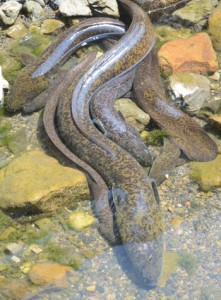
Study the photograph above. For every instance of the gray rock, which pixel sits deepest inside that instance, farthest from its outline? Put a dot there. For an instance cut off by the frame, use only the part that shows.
(132, 113)
(34, 9)
(196, 11)
(9, 12)
(193, 88)
(70, 8)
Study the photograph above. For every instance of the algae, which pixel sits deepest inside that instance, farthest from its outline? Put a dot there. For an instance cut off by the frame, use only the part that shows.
(63, 255)
(188, 262)
(155, 137)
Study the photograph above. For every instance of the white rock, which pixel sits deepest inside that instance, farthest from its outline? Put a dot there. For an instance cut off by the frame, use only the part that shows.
(9, 12)
(15, 259)
(193, 88)
(70, 8)
(13, 248)
(3, 85)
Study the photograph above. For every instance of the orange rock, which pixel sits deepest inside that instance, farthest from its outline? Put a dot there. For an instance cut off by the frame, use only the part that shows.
(194, 54)
(43, 273)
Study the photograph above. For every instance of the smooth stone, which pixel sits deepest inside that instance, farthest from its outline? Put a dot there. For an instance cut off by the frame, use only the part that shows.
(207, 174)
(75, 8)
(214, 28)
(132, 113)
(17, 31)
(169, 267)
(196, 11)
(109, 7)
(9, 12)
(50, 25)
(35, 179)
(49, 273)
(34, 9)
(193, 88)
(194, 54)
(80, 220)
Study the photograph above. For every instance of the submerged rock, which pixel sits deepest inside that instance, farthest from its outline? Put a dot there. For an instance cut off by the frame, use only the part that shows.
(207, 174)
(37, 181)
(132, 113)
(191, 88)
(80, 220)
(49, 273)
(194, 54)
(70, 8)
(50, 25)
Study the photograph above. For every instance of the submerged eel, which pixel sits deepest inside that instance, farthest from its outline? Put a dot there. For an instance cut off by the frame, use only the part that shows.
(40, 74)
(138, 214)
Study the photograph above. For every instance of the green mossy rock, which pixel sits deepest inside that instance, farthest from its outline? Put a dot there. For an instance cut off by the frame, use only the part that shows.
(207, 174)
(39, 181)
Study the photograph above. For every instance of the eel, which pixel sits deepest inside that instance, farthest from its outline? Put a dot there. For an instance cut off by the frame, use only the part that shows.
(40, 74)
(183, 130)
(98, 188)
(138, 214)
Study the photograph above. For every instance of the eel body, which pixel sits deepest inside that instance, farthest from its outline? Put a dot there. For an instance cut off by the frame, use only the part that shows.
(40, 74)
(138, 214)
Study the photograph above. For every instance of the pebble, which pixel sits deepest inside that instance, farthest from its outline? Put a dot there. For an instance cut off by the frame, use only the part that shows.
(15, 259)
(91, 288)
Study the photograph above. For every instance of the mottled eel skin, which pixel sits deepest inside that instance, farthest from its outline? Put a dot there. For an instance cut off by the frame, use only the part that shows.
(40, 74)
(184, 131)
(138, 214)
(98, 188)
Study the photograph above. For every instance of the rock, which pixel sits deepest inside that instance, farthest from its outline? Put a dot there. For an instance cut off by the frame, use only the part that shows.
(215, 76)
(34, 10)
(9, 12)
(80, 220)
(194, 54)
(108, 7)
(51, 25)
(35, 248)
(15, 259)
(17, 31)
(75, 8)
(49, 273)
(13, 248)
(91, 288)
(37, 180)
(132, 113)
(210, 292)
(214, 28)
(196, 11)
(207, 174)
(193, 88)
(3, 85)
